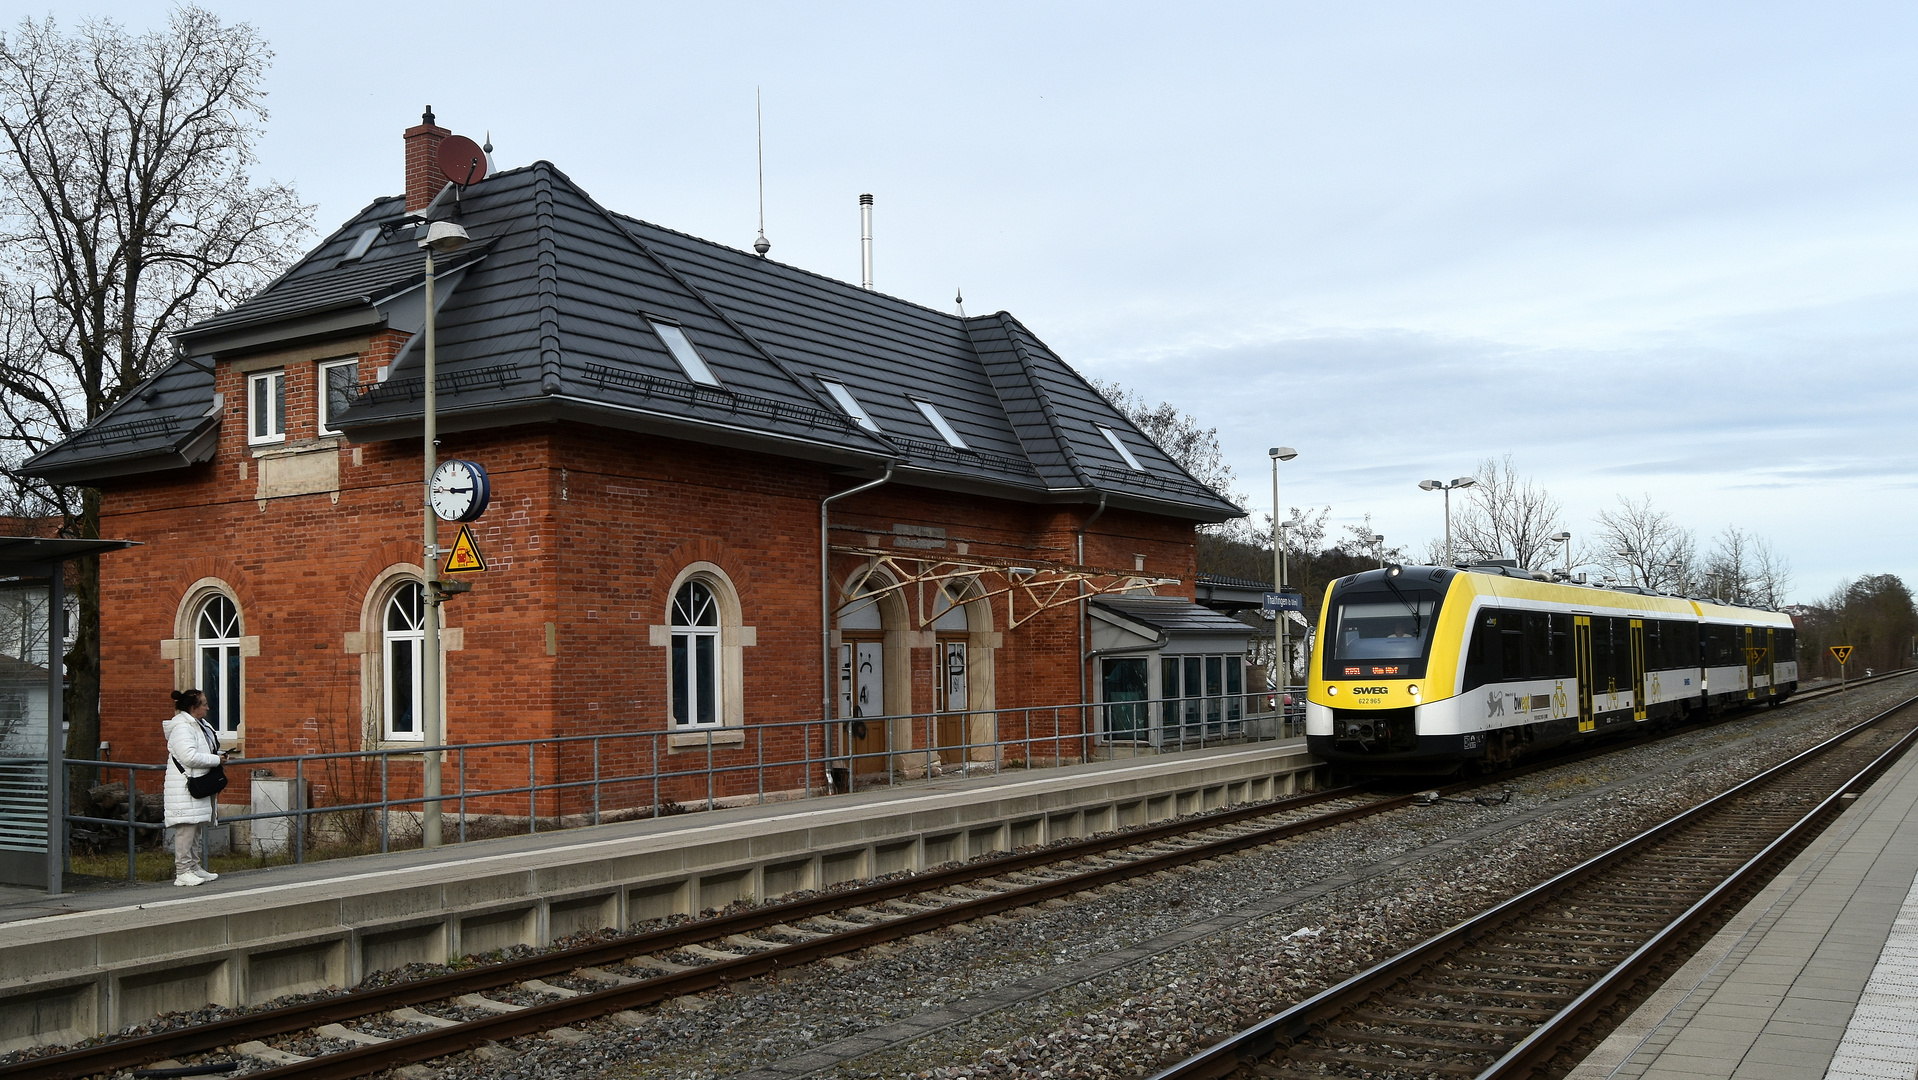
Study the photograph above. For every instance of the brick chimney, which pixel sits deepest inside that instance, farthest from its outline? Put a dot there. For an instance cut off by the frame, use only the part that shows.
(423, 177)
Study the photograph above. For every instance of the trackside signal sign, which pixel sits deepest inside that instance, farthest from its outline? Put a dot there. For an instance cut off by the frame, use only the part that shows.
(1842, 652)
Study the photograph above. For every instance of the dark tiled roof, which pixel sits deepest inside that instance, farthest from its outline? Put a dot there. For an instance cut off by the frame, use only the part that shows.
(545, 317)
(1173, 614)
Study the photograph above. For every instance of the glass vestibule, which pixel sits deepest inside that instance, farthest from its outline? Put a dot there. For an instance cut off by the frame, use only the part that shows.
(1198, 695)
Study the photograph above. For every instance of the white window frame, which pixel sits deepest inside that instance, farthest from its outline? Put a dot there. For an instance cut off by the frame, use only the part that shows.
(413, 640)
(674, 337)
(1113, 438)
(227, 686)
(931, 412)
(849, 403)
(687, 637)
(273, 430)
(324, 391)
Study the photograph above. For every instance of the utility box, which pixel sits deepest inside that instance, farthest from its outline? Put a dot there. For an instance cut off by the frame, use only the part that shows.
(283, 795)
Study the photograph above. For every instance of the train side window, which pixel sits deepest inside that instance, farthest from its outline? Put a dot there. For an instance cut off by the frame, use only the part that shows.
(1622, 653)
(1654, 644)
(1482, 652)
(1564, 664)
(1511, 634)
(1538, 645)
(1601, 652)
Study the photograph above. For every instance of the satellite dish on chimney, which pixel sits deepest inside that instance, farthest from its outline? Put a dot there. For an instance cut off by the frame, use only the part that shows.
(462, 160)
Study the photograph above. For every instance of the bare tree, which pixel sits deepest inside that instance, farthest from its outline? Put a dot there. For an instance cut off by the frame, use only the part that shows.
(1728, 569)
(1506, 516)
(1644, 546)
(1771, 575)
(126, 212)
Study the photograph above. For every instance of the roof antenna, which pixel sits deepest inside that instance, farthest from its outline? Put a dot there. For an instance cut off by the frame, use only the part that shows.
(959, 300)
(761, 245)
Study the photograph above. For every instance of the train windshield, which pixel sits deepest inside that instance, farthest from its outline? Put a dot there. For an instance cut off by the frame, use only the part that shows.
(1377, 631)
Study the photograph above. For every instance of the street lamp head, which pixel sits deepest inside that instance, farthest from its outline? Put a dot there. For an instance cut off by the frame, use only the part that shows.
(1378, 538)
(1561, 537)
(1282, 453)
(1464, 482)
(1430, 485)
(445, 236)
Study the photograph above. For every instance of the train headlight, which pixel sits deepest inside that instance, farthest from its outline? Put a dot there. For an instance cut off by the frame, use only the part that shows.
(1332, 690)
(1415, 689)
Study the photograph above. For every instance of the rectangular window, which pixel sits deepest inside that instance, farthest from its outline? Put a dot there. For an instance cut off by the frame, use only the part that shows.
(266, 407)
(1120, 447)
(939, 424)
(1564, 664)
(361, 244)
(695, 676)
(682, 349)
(403, 689)
(339, 387)
(849, 403)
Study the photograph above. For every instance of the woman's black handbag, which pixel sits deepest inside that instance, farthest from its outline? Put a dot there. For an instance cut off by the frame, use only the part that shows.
(211, 782)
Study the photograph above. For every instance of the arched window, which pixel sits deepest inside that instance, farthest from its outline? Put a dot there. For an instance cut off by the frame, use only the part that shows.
(695, 660)
(404, 636)
(216, 640)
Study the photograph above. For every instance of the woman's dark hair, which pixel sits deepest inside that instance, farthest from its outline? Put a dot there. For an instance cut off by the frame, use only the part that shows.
(187, 700)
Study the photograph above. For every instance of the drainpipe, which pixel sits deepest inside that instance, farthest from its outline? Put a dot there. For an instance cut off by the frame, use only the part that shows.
(825, 610)
(1079, 557)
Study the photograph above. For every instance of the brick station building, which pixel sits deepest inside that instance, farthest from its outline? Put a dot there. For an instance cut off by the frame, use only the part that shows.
(663, 419)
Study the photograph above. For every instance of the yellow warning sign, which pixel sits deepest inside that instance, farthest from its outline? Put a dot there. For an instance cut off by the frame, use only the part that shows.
(1754, 657)
(1842, 652)
(464, 556)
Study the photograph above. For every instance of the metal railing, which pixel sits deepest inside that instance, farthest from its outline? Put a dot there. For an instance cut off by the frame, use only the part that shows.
(536, 785)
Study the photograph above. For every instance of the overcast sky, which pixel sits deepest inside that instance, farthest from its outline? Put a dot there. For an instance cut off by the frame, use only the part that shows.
(1642, 248)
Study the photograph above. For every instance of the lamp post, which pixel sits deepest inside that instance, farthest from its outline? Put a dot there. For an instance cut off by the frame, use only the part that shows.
(1440, 485)
(442, 237)
(1565, 538)
(1280, 668)
(1630, 555)
(1378, 548)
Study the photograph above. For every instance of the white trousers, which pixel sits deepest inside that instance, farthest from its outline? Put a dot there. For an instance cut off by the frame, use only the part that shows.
(186, 848)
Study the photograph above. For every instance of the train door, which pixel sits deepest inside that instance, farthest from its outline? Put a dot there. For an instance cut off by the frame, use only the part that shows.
(1638, 669)
(862, 693)
(1755, 653)
(1582, 649)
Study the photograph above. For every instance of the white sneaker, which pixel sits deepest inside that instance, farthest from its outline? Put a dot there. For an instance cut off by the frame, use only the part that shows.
(205, 875)
(187, 878)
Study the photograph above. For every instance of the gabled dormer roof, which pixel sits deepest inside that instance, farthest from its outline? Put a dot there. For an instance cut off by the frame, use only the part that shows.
(550, 313)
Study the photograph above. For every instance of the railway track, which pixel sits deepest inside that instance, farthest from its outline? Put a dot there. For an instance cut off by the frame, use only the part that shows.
(446, 1014)
(1503, 995)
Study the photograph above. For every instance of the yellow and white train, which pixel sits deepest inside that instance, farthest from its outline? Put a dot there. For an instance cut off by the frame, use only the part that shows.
(1424, 669)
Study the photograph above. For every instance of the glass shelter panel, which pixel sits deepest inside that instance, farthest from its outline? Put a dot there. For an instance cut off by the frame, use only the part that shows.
(25, 630)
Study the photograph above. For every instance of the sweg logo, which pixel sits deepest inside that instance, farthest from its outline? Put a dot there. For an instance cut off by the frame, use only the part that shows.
(1369, 689)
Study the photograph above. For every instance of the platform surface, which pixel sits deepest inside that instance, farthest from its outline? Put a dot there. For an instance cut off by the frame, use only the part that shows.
(277, 884)
(1816, 977)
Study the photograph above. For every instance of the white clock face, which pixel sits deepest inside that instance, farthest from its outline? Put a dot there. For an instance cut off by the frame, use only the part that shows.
(459, 490)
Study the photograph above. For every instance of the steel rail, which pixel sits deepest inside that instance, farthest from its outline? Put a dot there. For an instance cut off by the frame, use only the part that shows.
(1537, 1049)
(1265, 1037)
(124, 1053)
(535, 1018)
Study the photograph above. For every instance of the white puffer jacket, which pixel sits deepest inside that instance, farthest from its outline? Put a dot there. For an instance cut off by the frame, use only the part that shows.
(195, 745)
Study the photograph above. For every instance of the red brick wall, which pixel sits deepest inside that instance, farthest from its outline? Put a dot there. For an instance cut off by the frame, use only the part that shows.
(587, 531)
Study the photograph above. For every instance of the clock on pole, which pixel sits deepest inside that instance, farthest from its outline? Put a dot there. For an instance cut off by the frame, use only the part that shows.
(461, 490)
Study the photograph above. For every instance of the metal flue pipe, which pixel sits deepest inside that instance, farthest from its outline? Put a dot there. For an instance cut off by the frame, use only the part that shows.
(865, 241)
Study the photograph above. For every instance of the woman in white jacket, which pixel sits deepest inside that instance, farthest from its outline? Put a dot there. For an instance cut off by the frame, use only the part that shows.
(193, 747)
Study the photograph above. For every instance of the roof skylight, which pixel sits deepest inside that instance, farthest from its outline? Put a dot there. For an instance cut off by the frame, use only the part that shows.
(849, 403)
(682, 349)
(362, 244)
(1113, 438)
(939, 424)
